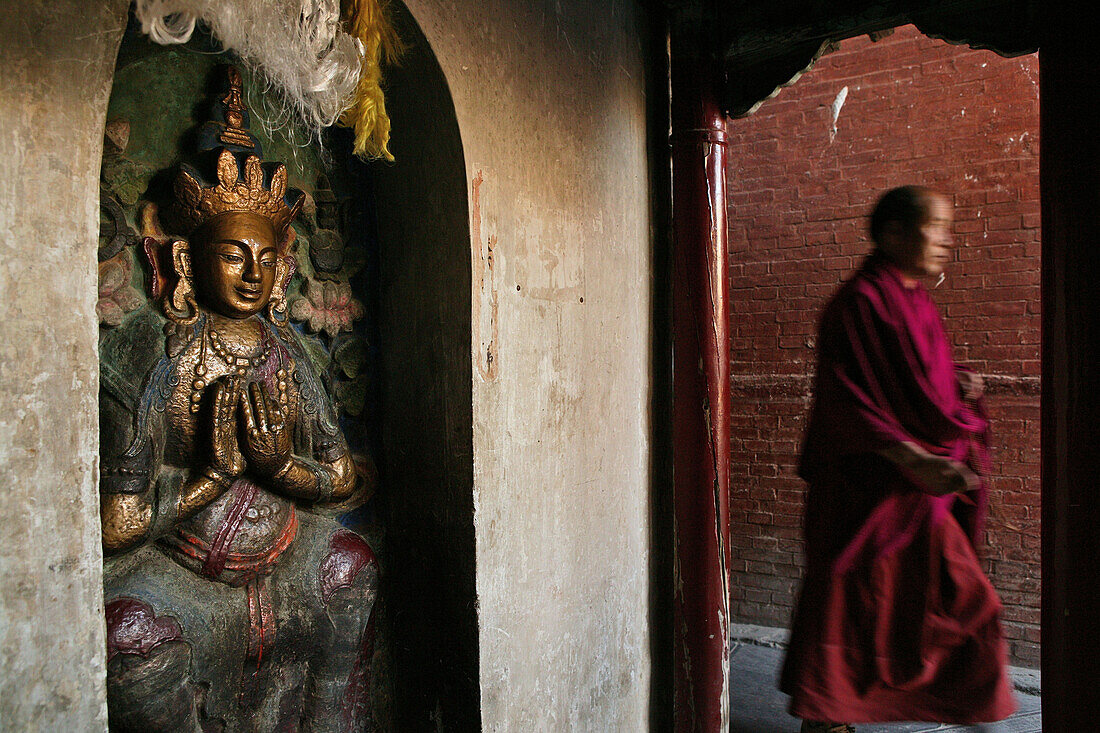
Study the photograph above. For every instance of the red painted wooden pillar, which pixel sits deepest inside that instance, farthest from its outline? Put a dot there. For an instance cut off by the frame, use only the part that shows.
(1069, 97)
(701, 394)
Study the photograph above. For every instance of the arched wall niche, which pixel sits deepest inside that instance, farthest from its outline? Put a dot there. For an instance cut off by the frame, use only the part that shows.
(416, 290)
(561, 145)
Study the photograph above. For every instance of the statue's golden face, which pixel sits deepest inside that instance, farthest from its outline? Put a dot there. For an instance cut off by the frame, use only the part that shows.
(234, 259)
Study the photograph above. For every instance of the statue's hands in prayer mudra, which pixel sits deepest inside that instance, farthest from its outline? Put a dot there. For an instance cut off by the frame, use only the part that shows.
(233, 603)
(266, 438)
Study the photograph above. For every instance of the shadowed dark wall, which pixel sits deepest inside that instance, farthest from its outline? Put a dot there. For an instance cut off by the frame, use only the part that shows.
(424, 325)
(1071, 371)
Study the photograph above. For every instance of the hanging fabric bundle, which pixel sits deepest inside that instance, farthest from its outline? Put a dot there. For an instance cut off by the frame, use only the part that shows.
(302, 48)
(366, 21)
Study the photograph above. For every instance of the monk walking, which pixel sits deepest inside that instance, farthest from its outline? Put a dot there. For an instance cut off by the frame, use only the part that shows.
(896, 620)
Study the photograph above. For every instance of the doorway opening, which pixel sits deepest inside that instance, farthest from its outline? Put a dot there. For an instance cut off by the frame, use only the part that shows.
(804, 172)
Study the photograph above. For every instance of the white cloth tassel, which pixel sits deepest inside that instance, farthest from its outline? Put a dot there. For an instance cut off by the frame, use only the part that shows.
(169, 29)
(297, 46)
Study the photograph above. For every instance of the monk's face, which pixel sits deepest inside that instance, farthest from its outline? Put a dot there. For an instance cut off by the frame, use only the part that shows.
(234, 258)
(923, 250)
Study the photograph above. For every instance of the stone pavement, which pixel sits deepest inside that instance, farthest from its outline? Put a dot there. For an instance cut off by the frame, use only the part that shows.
(756, 706)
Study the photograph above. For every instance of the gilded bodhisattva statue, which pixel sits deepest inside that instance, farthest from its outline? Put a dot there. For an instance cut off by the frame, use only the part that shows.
(234, 602)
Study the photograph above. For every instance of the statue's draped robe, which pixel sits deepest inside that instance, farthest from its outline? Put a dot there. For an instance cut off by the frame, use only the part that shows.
(896, 620)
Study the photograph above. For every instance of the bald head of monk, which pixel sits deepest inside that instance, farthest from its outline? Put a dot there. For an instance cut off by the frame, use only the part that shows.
(911, 225)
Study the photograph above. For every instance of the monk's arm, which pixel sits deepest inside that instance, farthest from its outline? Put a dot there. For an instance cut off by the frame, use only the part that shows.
(936, 474)
(971, 384)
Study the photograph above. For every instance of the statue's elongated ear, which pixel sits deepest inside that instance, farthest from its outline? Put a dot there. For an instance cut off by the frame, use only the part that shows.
(287, 240)
(158, 251)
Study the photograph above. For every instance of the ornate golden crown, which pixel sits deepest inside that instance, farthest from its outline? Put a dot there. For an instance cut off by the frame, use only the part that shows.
(195, 204)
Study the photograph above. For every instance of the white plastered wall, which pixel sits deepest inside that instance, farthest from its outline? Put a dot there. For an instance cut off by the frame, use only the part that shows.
(57, 60)
(551, 107)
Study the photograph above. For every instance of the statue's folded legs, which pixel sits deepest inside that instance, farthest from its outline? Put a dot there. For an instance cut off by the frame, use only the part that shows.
(296, 641)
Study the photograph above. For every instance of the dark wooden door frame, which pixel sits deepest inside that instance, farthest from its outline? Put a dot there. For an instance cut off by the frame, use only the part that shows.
(1069, 68)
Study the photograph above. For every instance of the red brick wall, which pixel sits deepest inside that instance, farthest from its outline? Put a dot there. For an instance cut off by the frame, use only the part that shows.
(917, 111)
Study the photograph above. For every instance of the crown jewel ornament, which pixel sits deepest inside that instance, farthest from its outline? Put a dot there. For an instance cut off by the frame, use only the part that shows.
(252, 189)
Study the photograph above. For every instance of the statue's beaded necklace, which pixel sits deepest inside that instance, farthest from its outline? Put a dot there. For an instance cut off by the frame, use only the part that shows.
(240, 364)
(257, 358)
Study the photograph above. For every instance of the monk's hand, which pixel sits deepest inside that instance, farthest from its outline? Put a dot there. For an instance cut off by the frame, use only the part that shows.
(942, 476)
(971, 385)
(226, 460)
(936, 475)
(265, 434)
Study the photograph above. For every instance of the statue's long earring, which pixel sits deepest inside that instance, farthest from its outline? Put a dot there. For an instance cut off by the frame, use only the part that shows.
(276, 305)
(181, 306)
(276, 311)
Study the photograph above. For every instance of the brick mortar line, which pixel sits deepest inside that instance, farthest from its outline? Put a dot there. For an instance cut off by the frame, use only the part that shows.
(800, 385)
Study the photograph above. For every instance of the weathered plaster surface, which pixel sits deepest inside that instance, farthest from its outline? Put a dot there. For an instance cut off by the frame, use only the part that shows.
(57, 59)
(551, 107)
